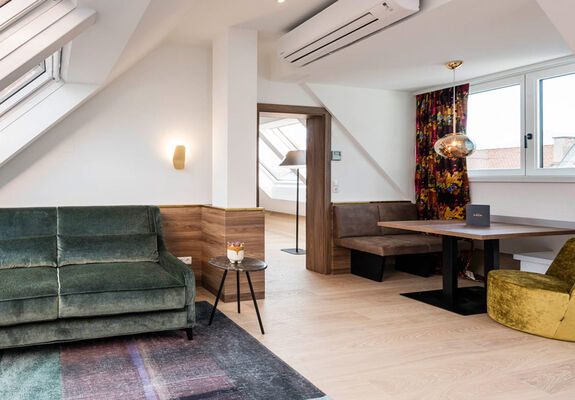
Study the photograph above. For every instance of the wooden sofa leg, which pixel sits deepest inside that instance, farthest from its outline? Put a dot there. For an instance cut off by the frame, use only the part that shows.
(190, 334)
(367, 265)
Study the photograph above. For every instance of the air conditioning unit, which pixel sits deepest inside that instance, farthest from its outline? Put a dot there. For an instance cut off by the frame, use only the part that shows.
(340, 25)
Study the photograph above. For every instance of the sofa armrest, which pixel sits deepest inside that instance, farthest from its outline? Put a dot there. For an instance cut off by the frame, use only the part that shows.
(184, 274)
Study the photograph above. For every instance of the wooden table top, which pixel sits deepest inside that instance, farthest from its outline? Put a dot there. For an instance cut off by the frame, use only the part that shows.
(497, 230)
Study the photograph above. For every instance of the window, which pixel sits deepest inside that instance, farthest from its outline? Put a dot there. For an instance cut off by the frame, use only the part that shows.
(12, 10)
(556, 129)
(522, 125)
(494, 124)
(29, 83)
(277, 137)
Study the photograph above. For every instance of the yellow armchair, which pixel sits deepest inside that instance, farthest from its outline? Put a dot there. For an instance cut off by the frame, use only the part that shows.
(540, 304)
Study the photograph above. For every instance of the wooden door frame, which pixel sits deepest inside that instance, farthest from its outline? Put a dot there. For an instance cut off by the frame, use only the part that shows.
(318, 188)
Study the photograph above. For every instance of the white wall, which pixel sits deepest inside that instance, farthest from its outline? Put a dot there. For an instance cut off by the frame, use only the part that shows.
(374, 130)
(281, 206)
(115, 149)
(234, 118)
(550, 201)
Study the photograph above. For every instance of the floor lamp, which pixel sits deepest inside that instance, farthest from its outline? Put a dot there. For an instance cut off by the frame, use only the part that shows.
(295, 159)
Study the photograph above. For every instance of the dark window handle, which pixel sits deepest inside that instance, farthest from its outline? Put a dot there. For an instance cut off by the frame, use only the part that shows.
(527, 137)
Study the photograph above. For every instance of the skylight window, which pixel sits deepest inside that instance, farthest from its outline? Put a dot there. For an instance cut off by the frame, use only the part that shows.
(276, 138)
(35, 79)
(12, 10)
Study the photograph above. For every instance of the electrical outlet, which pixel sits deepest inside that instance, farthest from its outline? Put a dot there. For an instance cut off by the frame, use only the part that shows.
(186, 260)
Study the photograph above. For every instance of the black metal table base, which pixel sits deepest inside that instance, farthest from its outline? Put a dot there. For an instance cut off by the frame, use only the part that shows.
(238, 294)
(467, 301)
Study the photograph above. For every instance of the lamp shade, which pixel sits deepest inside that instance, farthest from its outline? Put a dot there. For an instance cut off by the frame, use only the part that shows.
(294, 159)
(454, 145)
(179, 159)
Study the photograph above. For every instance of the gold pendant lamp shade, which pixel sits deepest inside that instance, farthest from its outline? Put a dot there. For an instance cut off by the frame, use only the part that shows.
(454, 145)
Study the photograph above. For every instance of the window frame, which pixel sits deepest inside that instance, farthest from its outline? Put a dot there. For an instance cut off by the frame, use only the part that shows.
(494, 85)
(50, 75)
(533, 97)
(14, 10)
(530, 121)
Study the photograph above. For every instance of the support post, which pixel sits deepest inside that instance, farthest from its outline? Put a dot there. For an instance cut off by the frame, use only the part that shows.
(450, 271)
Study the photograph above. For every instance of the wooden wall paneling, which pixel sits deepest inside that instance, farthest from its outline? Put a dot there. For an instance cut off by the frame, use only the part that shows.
(182, 228)
(249, 227)
(219, 227)
(213, 227)
(318, 195)
(202, 232)
(340, 257)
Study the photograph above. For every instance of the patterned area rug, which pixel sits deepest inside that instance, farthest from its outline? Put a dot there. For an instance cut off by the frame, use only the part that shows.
(223, 362)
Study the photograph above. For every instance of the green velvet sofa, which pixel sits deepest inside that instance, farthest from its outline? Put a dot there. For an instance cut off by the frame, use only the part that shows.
(75, 273)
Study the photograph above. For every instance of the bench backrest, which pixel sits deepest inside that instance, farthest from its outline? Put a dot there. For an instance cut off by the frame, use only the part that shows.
(353, 220)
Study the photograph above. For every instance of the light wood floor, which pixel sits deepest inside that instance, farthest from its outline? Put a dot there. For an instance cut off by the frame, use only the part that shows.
(357, 339)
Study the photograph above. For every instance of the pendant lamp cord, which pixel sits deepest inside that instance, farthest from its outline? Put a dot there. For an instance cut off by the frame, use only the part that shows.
(454, 113)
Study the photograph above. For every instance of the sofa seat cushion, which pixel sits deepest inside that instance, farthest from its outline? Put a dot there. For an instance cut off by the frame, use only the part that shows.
(118, 288)
(393, 245)
(28, 295)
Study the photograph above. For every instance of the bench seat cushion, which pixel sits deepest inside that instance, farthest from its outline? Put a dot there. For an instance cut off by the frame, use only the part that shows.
(118, 288)
(28, 295)
(392, 245)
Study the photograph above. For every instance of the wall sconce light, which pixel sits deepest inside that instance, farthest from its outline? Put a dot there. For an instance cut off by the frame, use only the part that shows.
(180, 157)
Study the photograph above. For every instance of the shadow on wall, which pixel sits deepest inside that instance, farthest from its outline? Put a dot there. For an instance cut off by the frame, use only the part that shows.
(34, 153)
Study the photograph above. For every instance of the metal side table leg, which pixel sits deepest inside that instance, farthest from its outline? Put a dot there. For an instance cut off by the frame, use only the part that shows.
(218, 297)
(238, 288)
(255, 302)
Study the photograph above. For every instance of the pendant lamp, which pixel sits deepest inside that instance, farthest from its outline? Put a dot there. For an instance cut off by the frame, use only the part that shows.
(454, 145)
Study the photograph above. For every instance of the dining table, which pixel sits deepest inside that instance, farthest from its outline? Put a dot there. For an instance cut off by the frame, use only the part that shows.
(467, 300)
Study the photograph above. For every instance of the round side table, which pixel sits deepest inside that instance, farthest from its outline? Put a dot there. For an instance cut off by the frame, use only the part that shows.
(247, 265)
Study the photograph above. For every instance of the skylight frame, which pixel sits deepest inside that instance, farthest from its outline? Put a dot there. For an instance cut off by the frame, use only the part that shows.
(50, 74)
(14, 10)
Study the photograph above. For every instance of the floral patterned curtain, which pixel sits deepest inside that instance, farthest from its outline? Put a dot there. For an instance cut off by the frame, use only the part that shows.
(441, 185)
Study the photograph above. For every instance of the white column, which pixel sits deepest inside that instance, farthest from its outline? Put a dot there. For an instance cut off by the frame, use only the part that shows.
(234, 119)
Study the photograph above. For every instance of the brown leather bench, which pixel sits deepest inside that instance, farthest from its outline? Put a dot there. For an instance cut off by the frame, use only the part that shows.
(356, 229)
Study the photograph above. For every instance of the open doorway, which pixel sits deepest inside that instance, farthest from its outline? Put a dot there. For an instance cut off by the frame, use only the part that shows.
(300, 139)
(282, 144)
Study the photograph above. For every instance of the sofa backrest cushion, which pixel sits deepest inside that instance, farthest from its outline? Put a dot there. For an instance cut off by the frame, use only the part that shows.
(112, 220)
(27, 237)
(28, 252)
(91, 235)
(400, 211)
(97, 249)
(27, 222)
(353, 220)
